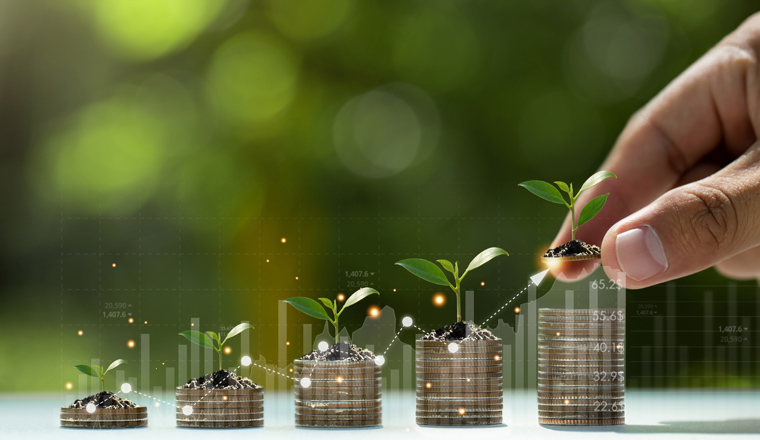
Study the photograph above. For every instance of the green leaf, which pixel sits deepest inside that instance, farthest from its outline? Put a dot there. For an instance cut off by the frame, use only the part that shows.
(114, 364)
(359, 295)
(544, 190)
(327, 301)
(446, 264)
(591, 209)
(88, 370)
(595, 179)
(213, 335)
(240, 328)
(308, 306)
(484, 257)
(199, 338)
(425, 270)
(563, 186)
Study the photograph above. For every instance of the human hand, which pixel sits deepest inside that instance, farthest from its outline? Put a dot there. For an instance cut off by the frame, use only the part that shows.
(687, 195)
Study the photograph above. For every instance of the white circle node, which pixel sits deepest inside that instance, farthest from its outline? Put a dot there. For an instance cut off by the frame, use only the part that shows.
(306, 382)
(453, 347)
(407, 321)
(90, 408)
(126, 388)
(380, 360)
(322, 346)
(187, 410)
(246, 361)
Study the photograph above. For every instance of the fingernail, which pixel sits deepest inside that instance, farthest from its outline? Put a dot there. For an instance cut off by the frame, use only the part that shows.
(640, 253)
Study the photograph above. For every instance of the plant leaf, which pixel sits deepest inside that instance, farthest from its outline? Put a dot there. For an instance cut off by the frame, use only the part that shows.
(213, 335)
(425, 270)
(359, 295)
(563, 186)
(484, 257)
(88, 370)
(308, 306)
(595, 179)
(327, 301)
(446, 264)
(240, 328)
(591, 209)
(544, 190)
(114, 364)
(199, 338)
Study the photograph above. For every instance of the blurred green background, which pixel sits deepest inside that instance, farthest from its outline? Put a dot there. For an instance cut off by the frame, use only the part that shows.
(182, 140)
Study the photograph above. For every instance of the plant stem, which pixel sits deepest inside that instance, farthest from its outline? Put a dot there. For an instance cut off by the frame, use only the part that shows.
(457, 289)
(572, 216)
(220, 357)
(336, 329)
(102, 384)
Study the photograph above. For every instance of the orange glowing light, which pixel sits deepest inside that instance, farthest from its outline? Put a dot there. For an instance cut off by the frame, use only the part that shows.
(462, 411)
(267, 260)
(296, 277)
(283, 240)
(80, 332)
(113, 265)
(558, 333)
(497, 357)
(482, 283)
(339, 379)
(227, 349)
(517, 310)
(428, 385)
(373, 311)
(468, 379)
(567, 402)
(439, 299)
(146, 322)
(131, 320)
(287, 342)
(341, 297)
(131, 343)
(69, 385)
(291, 370)
(224, 397)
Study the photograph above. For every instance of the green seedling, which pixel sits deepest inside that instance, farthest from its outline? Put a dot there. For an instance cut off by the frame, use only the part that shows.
(317, 310)
(211, 339)
(548, 192)
(430, 272)
(99, 372)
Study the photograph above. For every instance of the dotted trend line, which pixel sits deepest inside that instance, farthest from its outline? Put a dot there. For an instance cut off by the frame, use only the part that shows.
(154, 398)
(272, 370)
(506, 304)
(393, 340)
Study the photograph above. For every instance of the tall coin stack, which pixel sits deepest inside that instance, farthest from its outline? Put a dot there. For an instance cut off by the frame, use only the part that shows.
(220, 408)
(461, 385)
(581, 366)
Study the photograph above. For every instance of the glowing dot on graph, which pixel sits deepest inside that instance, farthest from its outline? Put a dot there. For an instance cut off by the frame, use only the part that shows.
(339, 379)
(187, 410)
(567, 402)
(306, 382)
(130, 343)
(126, 388)
(407, 321)
(517, 310)
(453, 347)
(69, 385)
(439, 299)
(80, 332)
(428, 385)
(283, 240)
(341, 297)
(227, 349)
(131, 320)
(482, 283)
(113, 265)
(380, 360)
(224, 398)
(373, 311)
(462, 411)
(90, 407)
(322, 346)
(245, 361)
(497, 358)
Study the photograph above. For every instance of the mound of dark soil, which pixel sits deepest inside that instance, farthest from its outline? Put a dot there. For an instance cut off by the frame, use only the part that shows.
(220, 380)
(104, 400)
(575, 248)
(458, 332)
(342, 351)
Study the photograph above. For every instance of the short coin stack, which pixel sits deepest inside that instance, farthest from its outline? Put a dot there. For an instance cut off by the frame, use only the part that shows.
(581, 366)
(104, 418)
(459, 386)
(220, 408)
(338, 393)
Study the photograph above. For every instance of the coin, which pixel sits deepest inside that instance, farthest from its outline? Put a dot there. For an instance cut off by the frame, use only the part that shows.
(104, 418)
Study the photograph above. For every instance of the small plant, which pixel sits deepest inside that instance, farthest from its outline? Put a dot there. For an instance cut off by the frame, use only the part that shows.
(548, 192)
(430, 272)
(98, 371)
(317, 310)
(211, 339)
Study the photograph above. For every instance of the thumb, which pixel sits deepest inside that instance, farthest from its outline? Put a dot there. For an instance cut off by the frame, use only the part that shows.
(689, 228)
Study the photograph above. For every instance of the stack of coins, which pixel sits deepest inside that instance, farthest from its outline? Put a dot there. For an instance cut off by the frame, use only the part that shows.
(581, 366)
(104, 418)
(459, 386)
(220, 408)
(338, 394)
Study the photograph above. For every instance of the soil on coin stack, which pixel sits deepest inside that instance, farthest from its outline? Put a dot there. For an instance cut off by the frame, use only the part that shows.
(220, 380)
(575, 248)
(460, 331)
(342, 351)
(104, 400)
